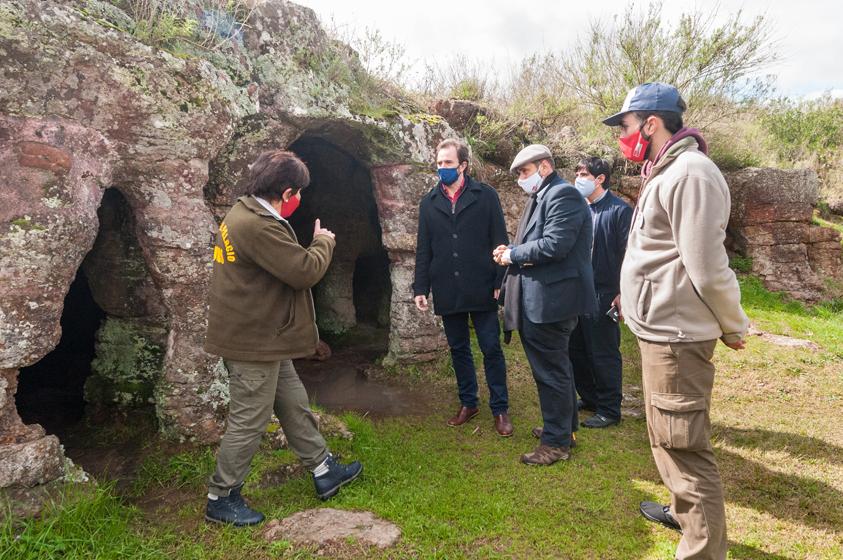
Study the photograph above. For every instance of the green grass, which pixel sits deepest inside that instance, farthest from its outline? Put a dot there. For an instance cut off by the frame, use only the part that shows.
(461, 493)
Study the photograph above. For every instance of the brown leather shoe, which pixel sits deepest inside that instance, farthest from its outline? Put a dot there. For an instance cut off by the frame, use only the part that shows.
(537, 433)
(503, 425)
(546, 455)
(464, 415)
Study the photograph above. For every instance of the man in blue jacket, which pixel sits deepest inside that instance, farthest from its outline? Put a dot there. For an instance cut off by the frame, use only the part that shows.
(549, 284)
(595, 343)
(460, 222)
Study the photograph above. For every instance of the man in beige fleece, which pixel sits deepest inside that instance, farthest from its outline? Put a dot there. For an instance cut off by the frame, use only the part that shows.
(678, 296)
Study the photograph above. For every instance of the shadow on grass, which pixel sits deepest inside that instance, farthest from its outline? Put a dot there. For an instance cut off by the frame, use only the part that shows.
(793, 444)
(739, 551)
(785, 496)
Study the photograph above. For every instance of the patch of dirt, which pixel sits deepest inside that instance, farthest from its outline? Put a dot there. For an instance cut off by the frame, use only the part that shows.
(280, 475)
(632, 403)
(349, 381)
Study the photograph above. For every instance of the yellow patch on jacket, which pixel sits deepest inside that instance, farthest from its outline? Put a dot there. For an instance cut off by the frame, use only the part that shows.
(230, 255)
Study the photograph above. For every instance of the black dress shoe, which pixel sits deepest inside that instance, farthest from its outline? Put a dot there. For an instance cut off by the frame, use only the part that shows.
(338, 475)
(658, 513)
(599, 421)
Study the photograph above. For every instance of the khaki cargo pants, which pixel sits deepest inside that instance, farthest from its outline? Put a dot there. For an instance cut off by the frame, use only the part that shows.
(257, 389)
(677, 379)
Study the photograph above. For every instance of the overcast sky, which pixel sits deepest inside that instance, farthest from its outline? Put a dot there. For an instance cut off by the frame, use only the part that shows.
(809, 32)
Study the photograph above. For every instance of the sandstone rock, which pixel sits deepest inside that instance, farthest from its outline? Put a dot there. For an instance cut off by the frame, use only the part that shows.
(326, 526)
(121, 158)
(459, 113)
(826, 257)
(781, 340)
(771, 223)
(31, 463)
(329, 425)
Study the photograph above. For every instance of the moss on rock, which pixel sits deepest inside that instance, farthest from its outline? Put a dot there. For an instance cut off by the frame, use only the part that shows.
(128, 362)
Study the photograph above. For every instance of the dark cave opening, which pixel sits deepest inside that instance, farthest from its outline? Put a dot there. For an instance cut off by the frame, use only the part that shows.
(51, 391)
(353, 299)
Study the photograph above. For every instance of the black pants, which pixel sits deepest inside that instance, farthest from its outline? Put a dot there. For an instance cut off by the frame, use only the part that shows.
(546, 347)
(488, 332)
(596, 357)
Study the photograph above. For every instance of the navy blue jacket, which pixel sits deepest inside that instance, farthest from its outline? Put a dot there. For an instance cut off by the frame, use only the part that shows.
(454, 249)
(611, 217)
(554, 258)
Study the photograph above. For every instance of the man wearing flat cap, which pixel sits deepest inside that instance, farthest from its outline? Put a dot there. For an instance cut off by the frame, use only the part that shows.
(679, 296)
(548, 284)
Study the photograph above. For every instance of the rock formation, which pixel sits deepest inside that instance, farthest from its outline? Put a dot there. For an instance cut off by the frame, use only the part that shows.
(771, 224)
(119, 158)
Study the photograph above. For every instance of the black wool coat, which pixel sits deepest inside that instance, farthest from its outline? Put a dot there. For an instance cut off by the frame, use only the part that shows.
(454, 249)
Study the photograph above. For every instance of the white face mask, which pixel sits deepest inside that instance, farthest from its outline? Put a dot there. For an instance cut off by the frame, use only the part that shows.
(532, 183)
(585, 186)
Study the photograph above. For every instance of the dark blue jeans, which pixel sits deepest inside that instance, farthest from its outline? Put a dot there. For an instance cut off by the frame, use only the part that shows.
(546, 347)
(487, 328)
(596, 356)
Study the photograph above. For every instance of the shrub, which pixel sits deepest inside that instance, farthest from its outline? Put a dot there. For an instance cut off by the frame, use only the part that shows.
(710, 64)
(208, 24)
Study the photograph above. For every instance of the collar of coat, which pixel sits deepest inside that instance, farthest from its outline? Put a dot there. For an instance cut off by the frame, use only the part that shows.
(252, 204)
(468, 197)
(552, 179)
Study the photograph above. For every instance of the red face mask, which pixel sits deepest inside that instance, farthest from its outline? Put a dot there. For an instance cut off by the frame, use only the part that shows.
(289, 206)
(634, 146)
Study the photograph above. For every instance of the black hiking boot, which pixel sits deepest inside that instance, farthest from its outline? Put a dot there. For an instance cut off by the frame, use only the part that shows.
(232, 509)
(337, 476)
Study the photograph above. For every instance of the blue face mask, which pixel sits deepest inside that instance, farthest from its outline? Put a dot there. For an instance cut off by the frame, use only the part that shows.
(585, 186)
(448, 175)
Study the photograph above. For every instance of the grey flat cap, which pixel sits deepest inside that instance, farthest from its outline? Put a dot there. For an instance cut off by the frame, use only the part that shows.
(533, 152)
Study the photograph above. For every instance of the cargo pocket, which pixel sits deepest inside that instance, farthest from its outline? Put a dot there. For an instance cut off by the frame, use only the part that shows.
(680, 421)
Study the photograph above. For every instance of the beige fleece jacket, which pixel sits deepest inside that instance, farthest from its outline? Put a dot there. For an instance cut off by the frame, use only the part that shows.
(676, 284)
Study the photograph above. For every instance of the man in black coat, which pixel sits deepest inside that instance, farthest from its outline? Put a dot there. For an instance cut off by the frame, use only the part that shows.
(595, 343)
(460, 222)
(549, 284)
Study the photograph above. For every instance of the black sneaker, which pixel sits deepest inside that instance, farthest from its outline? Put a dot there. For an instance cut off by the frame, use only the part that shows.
(337, 476)
(232, 509)
(658, 513)
(599, 421)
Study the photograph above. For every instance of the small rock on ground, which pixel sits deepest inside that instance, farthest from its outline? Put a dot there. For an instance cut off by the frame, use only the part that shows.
(325, 526)
(329, 426)
(782, 340)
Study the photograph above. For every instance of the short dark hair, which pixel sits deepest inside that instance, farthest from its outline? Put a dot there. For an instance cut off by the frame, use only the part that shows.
(672, 121)
(463, 153)
(596, 166)
(274, 172)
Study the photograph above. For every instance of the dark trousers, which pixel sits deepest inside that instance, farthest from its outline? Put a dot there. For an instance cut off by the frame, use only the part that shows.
(546, 347)
(596, 356)
(487, 328)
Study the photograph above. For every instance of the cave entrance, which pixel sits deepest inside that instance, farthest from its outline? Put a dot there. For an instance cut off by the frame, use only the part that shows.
(51, 391)
(353, 299)
(96, 389)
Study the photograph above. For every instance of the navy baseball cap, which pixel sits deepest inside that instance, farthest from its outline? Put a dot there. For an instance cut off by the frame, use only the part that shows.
(649, 97)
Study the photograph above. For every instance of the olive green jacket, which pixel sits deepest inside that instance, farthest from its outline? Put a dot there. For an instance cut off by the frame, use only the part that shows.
(261, 308)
